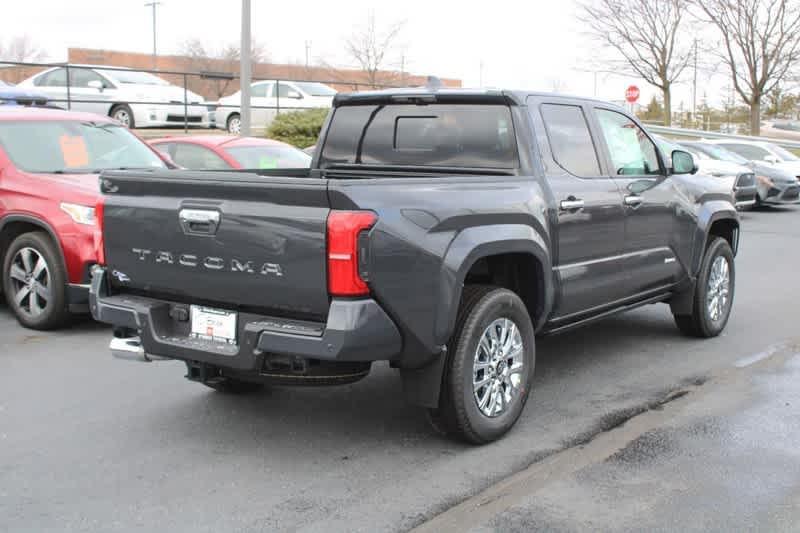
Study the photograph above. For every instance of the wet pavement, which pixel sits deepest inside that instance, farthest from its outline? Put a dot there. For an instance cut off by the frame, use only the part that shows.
(88, 443)
(721, 456)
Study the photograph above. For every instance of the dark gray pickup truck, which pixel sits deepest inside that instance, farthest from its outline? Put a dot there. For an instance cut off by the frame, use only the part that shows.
(438, 230)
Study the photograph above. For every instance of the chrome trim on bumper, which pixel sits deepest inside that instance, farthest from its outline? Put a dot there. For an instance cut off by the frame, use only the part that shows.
(130, 348)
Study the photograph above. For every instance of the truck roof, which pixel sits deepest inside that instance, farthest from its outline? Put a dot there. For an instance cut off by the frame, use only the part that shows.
(453, 95)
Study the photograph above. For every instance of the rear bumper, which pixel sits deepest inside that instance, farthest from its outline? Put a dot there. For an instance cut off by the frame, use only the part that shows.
(356, 331)
(78, 298)
(745, 196)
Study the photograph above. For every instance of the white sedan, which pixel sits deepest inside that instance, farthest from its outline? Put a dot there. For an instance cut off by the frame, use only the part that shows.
(135, 99)
(266, 97)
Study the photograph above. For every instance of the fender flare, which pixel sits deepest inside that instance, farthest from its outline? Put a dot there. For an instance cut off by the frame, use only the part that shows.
(708, 214)
(30, 219)
(475, 243)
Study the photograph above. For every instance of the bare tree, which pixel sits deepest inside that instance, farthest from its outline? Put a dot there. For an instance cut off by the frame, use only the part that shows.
(20, 49)
(370, 47)
(221, 60)
(760, 45)
(647, 36)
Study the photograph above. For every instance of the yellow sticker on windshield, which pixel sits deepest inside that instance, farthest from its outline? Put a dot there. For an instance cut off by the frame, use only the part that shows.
(73, 149)
(267, 162)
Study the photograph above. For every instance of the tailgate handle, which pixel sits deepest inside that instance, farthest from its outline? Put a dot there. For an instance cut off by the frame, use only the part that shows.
(199, 221)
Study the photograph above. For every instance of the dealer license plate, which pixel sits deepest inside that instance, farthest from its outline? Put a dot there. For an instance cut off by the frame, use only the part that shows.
(213, 324)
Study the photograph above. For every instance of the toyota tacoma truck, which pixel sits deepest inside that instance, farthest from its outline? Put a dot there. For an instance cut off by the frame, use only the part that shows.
(439, 230)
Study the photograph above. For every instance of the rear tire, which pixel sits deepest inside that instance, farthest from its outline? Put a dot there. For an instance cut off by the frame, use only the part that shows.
(35, 281)
(713, 295)
(489, 368)
(234, 124)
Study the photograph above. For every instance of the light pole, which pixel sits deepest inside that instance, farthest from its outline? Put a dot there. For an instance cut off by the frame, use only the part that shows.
(154, 5)
(308, 47)
(246, 75)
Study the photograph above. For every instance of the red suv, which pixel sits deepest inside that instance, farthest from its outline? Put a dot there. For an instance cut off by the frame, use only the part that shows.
(49, 238)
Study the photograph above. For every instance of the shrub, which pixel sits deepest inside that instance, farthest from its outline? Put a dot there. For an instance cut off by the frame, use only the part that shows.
(299, 128)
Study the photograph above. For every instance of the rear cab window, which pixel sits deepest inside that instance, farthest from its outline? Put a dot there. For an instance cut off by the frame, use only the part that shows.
(451, 136)
(570, 141)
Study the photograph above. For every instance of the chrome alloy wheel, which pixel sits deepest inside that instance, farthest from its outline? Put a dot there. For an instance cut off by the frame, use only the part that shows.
(235, 125)
(30, 281)
(497, 369)
(719, 281)
(122, 116)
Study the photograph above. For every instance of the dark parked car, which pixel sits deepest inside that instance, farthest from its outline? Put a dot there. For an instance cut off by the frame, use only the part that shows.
(438, 230)
(11, 95)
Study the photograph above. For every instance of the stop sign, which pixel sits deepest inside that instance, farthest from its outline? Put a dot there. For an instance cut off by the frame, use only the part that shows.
(632, 93)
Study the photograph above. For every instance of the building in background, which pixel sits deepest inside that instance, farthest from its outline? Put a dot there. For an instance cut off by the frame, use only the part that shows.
(214, 88)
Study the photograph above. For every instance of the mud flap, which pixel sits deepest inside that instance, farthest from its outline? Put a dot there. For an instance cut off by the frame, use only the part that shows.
(421, 386)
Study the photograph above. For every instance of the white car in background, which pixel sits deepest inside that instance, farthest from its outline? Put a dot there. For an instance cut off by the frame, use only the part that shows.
(763, 152)
(265, 99)
(133, 98)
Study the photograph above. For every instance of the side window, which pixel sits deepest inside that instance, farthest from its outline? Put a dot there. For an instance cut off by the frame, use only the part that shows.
(632, 152)
(281, 90)
(166, 148)
(80, 78)
(195, 157)
(570, 140)
(748, 151)
(54, 78)
(259, 91)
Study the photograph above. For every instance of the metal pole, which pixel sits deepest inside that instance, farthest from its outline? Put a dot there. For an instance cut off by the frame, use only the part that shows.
(155, 53)
(246, 74)
(694, 86)
(185, 106)
(308, 45)
(69, 95)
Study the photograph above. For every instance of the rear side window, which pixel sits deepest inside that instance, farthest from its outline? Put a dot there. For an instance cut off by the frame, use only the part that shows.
(748, 151)
(436, 135)
(570, 140)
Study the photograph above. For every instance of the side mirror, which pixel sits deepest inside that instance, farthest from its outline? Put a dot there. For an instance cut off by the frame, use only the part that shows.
(96, 84)
(683, 163)
(772, 159)
(294, 94)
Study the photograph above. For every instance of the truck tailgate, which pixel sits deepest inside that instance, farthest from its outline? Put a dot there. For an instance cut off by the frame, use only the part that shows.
(219, 237)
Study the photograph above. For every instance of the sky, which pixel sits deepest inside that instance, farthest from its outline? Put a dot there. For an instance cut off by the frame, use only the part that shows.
(533, 44)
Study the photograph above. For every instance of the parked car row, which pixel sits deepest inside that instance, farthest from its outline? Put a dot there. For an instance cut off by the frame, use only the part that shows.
(142, 100)
(50, 162)
(759, 172)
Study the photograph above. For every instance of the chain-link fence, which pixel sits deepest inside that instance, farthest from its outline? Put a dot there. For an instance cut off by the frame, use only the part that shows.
(144, 98)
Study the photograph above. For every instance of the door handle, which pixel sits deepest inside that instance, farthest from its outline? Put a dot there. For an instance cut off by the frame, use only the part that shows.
(633, 200)
(199, 221)
(571, 204)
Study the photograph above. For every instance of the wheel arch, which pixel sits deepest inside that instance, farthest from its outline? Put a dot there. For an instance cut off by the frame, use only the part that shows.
(502, 252)
(14, 225)
(716, 219)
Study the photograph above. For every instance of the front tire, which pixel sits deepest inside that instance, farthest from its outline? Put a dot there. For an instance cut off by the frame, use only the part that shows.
(34, 282)
(122, 113)
(713, 293)
(489, 369)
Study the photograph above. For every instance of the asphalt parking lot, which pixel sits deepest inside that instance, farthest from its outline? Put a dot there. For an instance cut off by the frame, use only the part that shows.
(90, 443)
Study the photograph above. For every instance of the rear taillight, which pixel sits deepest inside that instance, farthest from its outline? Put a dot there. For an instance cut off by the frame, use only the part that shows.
(99, 244)
(344, 272)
